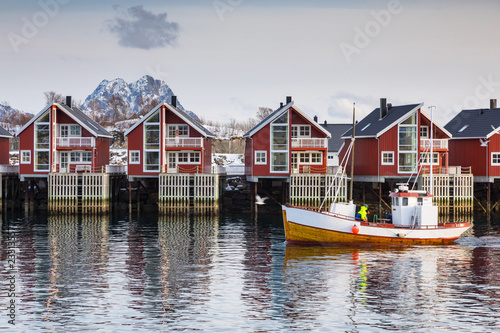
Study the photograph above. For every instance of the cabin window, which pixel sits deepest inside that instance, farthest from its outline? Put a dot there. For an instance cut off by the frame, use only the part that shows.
(424, 132)
(151, 161)
(183, 157)
(134, 157)
(495, 158)
(387, 158)
(279, 144)
(395, 202)
(405, 202)
(301, 131)
(25, 156)
(42, 161)
(407, 145)
(182, 130)
(261, 157)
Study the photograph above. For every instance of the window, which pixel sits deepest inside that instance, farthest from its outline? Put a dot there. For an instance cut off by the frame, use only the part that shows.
(25, 156)
(182, 130)
(495, 158)
(316, 158)
(42, 136)
(261, 157)
(424, 132)
(309, 158)
(407, 145)
(134, 157)
(73, 130)
(42, 143)
(151, 161)
(279, 144)
(194, 157)
(425, 158)
(80, 157)
(42, 161)
(301, 131)
(183, 158)
(405, 202)
(387, 158)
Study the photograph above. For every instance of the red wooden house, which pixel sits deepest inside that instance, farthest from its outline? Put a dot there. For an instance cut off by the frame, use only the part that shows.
(61, 138)
(287, 141)
(168, 140)
(394, 142)
(476, 142)
(5, 137)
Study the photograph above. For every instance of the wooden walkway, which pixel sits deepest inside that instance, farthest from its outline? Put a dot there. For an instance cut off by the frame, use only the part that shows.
(179, 193)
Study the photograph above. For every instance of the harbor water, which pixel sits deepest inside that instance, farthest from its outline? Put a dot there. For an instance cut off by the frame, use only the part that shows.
(235, 273)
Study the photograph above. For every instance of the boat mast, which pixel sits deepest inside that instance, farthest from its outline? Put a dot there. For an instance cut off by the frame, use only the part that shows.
(432, 151)
(352, 148)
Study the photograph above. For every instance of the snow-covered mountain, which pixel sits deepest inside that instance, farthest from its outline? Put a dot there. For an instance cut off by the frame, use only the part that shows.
(12, 118)
(136, 96)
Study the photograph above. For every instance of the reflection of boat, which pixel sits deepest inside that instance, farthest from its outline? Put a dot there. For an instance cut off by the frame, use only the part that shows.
(414, 221)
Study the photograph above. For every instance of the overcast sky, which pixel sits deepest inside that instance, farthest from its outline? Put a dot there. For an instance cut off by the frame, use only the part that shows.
(225, 58)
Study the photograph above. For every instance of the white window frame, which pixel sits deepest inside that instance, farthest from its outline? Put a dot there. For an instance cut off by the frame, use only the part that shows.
(426, 128)
(171, 128)
(25, 157)
(280, 151)
(45, 150)
(297, 129)
(134, 157)
(413, 152)
(425, 158)
(76, 157)
(388, 153)
(263, 155)
(152, 150)
(495, 156)
(70, 128)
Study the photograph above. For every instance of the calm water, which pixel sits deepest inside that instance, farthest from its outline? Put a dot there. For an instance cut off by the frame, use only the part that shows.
(236, 274)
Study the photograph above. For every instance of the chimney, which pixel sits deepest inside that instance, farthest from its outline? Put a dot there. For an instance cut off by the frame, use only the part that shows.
(493, 103)
(316, 118)
(174, 101)
(383, 107)
(281, 105)
(326, 123)
(68, 101)
(288, 99)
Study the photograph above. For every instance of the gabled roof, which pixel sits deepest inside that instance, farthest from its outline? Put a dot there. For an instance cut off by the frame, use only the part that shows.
(336, 130)
(277, 113)
(181, 114)
(4, 133)
(473, 124)
(372, 126)
(436, 124)
(77, 115)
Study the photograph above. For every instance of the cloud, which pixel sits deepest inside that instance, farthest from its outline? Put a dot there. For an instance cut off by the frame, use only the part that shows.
(139, 28)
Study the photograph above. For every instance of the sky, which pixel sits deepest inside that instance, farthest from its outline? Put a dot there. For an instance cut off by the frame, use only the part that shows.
(226, 58)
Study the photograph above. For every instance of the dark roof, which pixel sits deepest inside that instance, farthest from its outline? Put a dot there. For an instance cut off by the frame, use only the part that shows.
(337, 131)
(479, 123)
(5, 133)
(193, 122)
(77, 115)
(85, 121)
(373, 126)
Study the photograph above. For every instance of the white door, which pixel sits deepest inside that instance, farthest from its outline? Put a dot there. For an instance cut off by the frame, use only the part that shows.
(63, 162)
(172, 162)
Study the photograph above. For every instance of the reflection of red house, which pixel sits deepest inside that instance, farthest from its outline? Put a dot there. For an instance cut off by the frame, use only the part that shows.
(168, 140)
(4, 146)
(287, 141)
(476, 142)
(394, 141)
(61, 138)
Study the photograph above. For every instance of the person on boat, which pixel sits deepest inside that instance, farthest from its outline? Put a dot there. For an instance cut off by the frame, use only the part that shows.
(361, 215)
(388, 216)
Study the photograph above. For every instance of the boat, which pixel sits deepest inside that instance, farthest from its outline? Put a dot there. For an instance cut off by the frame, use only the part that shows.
(414, 220)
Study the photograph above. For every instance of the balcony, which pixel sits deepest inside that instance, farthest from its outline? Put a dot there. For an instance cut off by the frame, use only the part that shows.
(436, 144)
(75, 142)
(309, 143)
(184, 142)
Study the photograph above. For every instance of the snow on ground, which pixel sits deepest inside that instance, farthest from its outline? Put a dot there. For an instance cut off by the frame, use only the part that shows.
(228, 159)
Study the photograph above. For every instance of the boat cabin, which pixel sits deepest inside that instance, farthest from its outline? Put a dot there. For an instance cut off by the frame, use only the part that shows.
(413, 208)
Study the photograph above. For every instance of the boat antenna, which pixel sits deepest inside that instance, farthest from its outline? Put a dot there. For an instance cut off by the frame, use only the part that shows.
(352, 151)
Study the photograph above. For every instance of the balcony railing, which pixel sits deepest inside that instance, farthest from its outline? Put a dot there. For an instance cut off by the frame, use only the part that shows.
(184, 142)
(436, 144)
(309, 143)
(75, 142)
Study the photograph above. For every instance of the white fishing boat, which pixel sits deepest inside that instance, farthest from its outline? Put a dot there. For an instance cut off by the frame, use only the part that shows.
(414, 220)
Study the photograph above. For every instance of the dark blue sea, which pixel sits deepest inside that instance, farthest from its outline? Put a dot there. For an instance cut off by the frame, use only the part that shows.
(235, 273)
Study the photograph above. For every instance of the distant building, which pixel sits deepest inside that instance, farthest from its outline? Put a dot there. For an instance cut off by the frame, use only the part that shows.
(286, 142)
(476, 142)
(168, 140)
(61, 139)
(336, 142)
(5, 137)
(394, 142)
